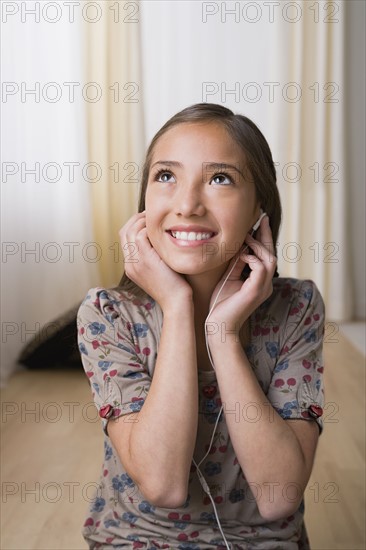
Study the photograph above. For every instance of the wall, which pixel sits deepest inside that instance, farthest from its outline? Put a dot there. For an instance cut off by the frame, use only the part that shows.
(355, 63)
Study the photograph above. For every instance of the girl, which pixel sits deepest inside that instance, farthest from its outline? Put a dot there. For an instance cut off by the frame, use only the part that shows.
(206, 367)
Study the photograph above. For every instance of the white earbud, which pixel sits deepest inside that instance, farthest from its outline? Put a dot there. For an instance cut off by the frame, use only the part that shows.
(258, 222)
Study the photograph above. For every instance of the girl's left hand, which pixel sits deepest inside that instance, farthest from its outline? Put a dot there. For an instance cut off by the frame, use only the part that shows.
(238, 299)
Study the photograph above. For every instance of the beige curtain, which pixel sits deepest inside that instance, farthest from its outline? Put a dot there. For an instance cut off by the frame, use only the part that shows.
(311, 153)
(115, 126)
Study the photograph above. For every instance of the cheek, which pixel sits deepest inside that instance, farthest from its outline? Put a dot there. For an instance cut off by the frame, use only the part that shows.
(153, 224)
(150, 225)
(236, 224)
(242, 215)
(150, 211)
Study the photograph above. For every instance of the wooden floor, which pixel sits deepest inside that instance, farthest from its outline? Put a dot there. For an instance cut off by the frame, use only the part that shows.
(52, 454)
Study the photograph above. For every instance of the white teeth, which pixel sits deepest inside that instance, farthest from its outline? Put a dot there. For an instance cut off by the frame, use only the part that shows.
(191, 236)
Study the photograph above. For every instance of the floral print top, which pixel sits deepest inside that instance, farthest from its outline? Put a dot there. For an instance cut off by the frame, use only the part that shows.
(118, 337)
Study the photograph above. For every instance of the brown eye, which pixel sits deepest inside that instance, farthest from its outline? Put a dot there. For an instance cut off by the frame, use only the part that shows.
(163, 176)
(221, 179)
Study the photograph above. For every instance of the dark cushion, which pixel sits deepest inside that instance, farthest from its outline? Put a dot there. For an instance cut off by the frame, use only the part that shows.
(55, 345)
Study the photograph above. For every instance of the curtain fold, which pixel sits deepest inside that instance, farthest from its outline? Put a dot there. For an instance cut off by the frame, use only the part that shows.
(115, 130)
(47, 264)
(311, 157)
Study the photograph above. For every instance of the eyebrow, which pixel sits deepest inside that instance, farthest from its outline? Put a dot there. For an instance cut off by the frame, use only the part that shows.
(223, 166)
(207, 165)
(169, 163)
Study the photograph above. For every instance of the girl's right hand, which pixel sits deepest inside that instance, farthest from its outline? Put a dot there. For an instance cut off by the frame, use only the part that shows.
(144, 266)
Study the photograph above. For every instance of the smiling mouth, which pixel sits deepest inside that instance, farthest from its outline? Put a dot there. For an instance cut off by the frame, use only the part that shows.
(191, 235)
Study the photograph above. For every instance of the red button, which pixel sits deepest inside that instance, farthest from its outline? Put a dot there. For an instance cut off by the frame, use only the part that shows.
(209, 391)
(315, 410)
(106, 411)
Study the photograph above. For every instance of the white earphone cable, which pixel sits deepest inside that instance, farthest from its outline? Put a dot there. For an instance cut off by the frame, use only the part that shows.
(204, 483)
(199, 473)
(213, 305)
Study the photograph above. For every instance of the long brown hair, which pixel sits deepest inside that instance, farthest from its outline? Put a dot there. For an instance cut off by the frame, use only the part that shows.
(258, 156)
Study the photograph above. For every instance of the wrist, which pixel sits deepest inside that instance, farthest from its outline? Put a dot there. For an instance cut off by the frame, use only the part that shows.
(220, 332)
(225, 343)
(178, 305)
(228, 352)
(225, 335)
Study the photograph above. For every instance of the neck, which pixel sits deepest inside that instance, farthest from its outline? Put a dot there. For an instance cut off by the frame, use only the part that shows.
(203, 286)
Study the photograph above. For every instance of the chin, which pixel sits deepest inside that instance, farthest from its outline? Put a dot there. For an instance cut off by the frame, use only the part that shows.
(184, 270)
(185, 265)
(193, 269)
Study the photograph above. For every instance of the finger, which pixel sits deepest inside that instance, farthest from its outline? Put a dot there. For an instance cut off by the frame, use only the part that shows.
(136, 248)
(262, 251)
(263, 259)
(258, 272)
(140, 241)
(235, 267)
(129, 231)
(131, 221)
(142, 237)
(260, 279)
(261, 271)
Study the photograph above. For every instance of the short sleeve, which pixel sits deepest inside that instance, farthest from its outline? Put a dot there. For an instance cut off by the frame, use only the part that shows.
(296, 388)
(111, 355)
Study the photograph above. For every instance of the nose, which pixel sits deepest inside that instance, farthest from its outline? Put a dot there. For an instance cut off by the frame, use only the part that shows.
(189, 200)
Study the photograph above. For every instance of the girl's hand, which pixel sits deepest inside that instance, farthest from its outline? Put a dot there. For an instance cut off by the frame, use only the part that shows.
(238, 299)
(144, 266)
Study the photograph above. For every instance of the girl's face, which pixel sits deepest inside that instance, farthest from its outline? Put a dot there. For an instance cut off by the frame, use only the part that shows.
(199, 204)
